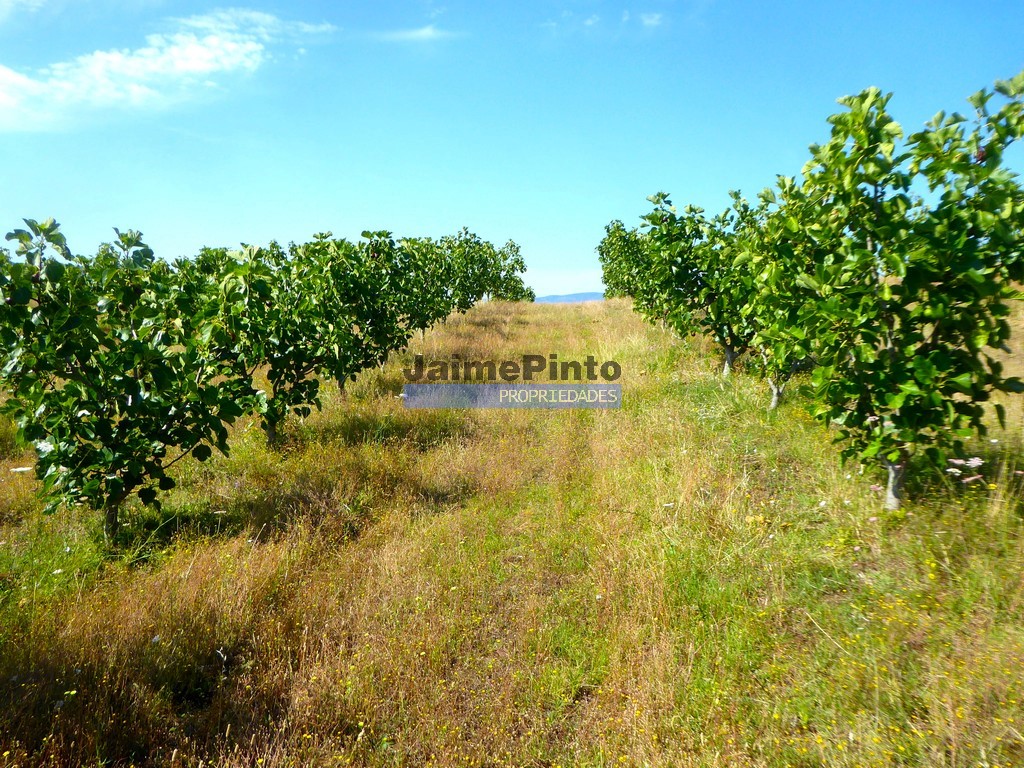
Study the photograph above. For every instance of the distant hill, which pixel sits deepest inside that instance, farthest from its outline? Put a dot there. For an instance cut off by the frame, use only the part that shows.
(570, 298)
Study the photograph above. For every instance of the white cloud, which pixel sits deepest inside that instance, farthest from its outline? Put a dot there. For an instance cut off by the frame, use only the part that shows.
(650, 19)
(625, 16)
(8, 7)
(592, 20)
(169, 69)
(242, 21)
(423, 34)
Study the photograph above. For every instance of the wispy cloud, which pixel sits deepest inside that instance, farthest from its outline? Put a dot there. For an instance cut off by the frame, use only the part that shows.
(170, 68)
(573, 23)
(242, 21)
(421, 35)
(9, 7)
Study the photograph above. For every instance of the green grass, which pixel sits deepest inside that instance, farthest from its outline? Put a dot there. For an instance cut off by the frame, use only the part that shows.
(690, 580)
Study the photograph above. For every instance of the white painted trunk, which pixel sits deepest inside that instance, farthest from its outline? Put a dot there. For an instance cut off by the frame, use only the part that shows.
(894, 486)
(730, 361)
(777, 390)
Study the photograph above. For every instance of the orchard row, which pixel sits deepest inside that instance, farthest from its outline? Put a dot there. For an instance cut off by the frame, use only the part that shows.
(888, 268)
(118, 366)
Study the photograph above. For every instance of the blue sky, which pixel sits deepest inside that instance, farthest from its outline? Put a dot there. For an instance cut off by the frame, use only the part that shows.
(207, 124)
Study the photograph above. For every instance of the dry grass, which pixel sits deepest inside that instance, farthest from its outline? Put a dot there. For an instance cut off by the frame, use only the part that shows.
(686, 581)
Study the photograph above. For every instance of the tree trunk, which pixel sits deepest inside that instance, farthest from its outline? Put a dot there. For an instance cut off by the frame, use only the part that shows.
(111, 523)
(270, 428)
(730, 359)
(777, 390)
(894, 488)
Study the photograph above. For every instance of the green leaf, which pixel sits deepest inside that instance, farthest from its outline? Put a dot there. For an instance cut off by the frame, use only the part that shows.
(806, 281)
(1014, 385)
(53, 270)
